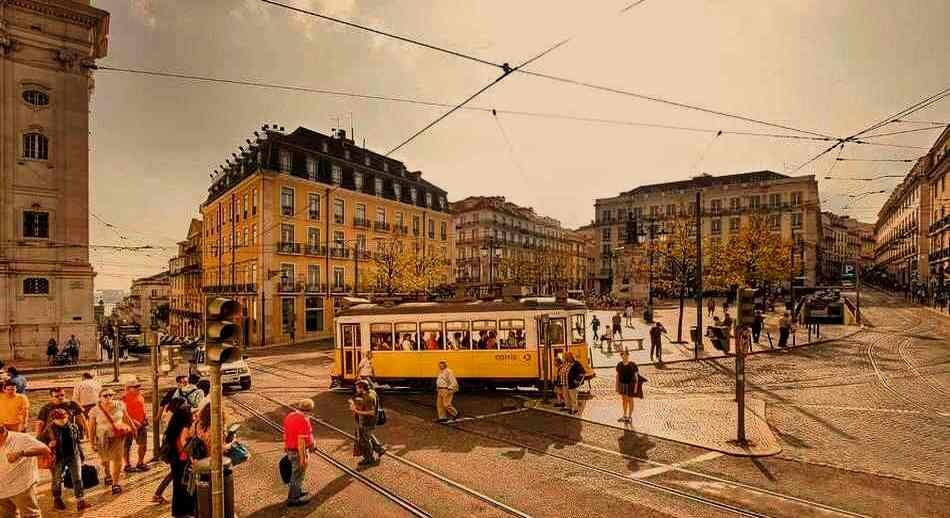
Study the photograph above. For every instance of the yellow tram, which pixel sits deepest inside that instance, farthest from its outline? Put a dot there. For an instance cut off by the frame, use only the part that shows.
(487, 343)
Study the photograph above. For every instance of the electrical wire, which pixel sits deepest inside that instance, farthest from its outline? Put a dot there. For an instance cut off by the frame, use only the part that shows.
(904, 160)
(508, 144)
(914, 130)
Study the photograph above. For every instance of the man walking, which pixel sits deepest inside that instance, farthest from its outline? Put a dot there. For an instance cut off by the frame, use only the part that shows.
(298, 441)
(64, 440)
(595, 325)
(628, 315)
(572, 375)
(710, 307)
(446, 386)
(58, 401)
(188, 392)
(757, 321)
(656, 341)
(616, 330)
(18, 474)
(14, 408)
(86, 393)
(135, 409)
(366, 409)
(784, 329)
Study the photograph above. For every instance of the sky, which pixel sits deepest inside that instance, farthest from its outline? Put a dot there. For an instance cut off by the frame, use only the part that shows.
(830, 67)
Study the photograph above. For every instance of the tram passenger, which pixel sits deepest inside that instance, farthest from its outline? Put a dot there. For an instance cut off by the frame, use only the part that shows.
(430, 340)
(492, 341)
(406, 344)
(480, 340)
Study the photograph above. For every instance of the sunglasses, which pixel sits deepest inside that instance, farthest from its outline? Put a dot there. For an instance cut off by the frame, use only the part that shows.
(107, 396)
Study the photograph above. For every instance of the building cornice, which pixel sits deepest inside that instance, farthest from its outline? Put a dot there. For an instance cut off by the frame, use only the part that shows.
(73, 12)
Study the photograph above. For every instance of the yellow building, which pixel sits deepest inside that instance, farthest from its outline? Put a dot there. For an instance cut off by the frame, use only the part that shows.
(184, 275)
(290, 225)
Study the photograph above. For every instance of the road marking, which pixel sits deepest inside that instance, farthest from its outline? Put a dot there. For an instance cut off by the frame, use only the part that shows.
(493, 414)
(652, 472)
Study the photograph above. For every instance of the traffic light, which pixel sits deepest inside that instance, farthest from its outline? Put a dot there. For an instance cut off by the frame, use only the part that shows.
(221, 330)
(745, 306)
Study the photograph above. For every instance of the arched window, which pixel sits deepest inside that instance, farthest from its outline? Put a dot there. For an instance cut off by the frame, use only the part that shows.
(36, 97)
(35, 286)
(36, 146)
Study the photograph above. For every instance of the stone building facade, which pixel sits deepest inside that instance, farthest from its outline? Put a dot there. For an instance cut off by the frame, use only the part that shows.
(789, 204)
(500, 243)
(844, 246)
(291, 223)
(939, 230)
(47, 52)
(186, 299)
(902, 230)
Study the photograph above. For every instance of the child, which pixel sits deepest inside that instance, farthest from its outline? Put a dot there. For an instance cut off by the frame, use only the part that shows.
(64, 441)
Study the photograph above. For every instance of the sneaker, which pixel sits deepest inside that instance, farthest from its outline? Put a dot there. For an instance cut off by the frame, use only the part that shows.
(159, 499)
(296, 502)
(381, 451)
(82, 505)
(367, 462)
(565, 409)
(116, 489)
(129, 468)
(142, 467)
(622, 420)
(58, 504)
(441, 420)
(574, 412)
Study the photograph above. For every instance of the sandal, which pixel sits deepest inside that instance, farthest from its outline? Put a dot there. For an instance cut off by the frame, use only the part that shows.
(116, 489)
(159, 499)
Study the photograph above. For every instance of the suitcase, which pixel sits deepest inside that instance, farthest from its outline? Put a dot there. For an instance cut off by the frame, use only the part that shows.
(90, 477)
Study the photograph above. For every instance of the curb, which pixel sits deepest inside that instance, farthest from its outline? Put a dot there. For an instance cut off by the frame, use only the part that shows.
(77, 366)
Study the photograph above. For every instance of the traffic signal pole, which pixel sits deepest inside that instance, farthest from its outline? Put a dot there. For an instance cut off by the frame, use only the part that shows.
(217, 437)
(220, 333)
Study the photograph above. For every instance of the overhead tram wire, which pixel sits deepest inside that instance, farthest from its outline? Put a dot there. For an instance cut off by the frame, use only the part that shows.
(914, 130)
(905, 160)
(551, 77)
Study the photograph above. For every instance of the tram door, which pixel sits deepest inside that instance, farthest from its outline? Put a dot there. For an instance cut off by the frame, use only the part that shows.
(555, 335)
(351, 349)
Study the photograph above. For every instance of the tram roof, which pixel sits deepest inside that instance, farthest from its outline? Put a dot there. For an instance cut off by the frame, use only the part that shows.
(477, 306)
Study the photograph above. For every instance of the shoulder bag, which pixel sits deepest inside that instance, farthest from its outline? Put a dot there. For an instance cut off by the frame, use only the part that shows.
(119, 430)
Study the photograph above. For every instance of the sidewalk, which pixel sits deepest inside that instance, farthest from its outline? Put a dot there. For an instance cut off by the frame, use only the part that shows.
(704, 422)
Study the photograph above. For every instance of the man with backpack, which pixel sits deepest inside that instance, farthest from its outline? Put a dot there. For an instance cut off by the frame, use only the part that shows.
(188, 392)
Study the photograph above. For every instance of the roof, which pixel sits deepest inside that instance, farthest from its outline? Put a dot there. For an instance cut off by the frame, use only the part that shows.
(160, 277)
(706, 180)
(478, 306)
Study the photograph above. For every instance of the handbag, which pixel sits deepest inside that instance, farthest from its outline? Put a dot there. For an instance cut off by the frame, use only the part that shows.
(90, 476)
(285, 469)
(380, 417)
(638, 389)
(46, 461)
(238, 453)
(117, 431)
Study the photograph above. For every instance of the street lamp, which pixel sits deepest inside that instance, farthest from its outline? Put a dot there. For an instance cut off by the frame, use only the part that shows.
(491, 250)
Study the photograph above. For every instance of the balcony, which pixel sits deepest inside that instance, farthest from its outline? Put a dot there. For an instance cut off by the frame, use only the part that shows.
(401, 229)
(381, 226)
(284, 247)
(361, 222)
(289, 287)
(341, 288)
(339, 252)
(287, 211)
(315, 288)
(315, 250)
(363, 255)
(314, 214)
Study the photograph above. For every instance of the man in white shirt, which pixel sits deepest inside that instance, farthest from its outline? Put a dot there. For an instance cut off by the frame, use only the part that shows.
(445, 386)
(365, 369)
(18, 474)
(86, 393)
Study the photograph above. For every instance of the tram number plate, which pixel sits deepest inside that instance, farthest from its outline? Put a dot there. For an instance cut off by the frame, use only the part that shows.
(513, 357)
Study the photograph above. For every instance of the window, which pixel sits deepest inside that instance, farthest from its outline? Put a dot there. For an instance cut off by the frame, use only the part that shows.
(754, 202)
(286, 233)
(287, 314)
(397, 190)
(311, 168)
(346, 154)
(36, 98)
(432, 337)
(381, 337)
(378, 186)
(670, 210)
(324, 146)
(733, 225)
(313, 240)
(512, 334)
(555, 331)
(796, 220)
(244, 241)
(797, 198)
(35, 146)
(413, 195)
(244, 205)
(406, 336)
(443, 231)
(428, 199)
(336, 174)
(338, 212)
(313, 307)
(360, 214)
(715, 206)
(775, 200)
(577, 329)
(381, 215)
(287, 201)
(735, 203)
(415, 225)
(361, 243)
(254, 234)
(338, 277)
(35, 286)
(313, 205)
(254, 202)
(441, 202)
(775, 221)
(36, 224)
(286, 159)
(716, 226)
(431, 229)
(358, 180)
(313, 276)
(484, 334)
(397, 221)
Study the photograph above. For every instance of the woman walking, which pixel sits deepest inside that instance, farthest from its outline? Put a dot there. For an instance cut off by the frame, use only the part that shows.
(171, 408)
(176, 440)
(110, 422)
(626, 385)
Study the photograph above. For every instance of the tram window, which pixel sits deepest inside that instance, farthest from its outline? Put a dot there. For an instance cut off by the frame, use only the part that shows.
(577, 329)
(458, 335)
(381, 337)
(406, 337)
(512, 334)
(484, 334)
(556, 331)
(432, 337)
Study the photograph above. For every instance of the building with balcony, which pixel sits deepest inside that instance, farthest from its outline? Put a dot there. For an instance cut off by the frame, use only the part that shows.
(290, 225)
(939, 229)
(48, 52)
(902, 230)
(844, 248)
(148, 293)
(789, 204)
(186, 300)
(499, 243)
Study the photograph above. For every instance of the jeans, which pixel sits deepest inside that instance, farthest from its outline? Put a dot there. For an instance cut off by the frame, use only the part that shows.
(297, 475)
(657, 349)
(756, 332)
(75, 473)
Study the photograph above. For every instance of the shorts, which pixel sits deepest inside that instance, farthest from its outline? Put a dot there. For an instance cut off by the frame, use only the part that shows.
(139, 436)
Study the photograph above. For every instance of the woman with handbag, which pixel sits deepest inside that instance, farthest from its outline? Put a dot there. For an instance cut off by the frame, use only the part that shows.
(175, 446)
(110, 423)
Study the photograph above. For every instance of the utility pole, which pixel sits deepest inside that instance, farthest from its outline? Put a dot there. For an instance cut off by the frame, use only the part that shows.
(116, 339)
(745, 314)
(220, 335)
(699, 275)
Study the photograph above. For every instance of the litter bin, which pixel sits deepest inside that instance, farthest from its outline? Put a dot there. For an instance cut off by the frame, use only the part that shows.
(202, 469)
(694, 335)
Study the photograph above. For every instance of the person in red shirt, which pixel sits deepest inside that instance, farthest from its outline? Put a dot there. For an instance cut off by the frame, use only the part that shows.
(298, 441)
(135, 408)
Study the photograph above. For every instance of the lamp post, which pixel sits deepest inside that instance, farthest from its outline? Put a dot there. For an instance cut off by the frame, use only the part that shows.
(490, 250)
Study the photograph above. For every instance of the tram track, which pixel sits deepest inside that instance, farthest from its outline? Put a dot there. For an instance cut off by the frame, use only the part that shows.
(810, 504)
(494, 503)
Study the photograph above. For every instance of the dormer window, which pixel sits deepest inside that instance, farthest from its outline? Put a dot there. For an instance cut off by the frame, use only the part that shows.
(346, 154)
(378, 186)
(386, 166)
(336, 174)
(428, 199)
(286, 160)
(413, 194)
(441, 202)
(366, 160)
(397, 190)
(358, 180)
(311, 168)
(324, 146)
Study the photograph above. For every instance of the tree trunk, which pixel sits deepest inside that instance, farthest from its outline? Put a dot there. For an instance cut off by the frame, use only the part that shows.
(679, 325)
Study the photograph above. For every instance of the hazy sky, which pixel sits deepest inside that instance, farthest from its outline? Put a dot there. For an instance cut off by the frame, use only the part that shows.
(830, 66)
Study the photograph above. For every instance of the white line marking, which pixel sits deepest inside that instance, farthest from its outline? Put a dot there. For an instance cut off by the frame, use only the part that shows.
(651, 472)
(494, 414)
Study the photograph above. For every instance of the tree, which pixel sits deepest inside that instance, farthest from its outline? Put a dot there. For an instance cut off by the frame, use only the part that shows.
(753, 257)
(672, 260)
(543, 270)
(399, 270)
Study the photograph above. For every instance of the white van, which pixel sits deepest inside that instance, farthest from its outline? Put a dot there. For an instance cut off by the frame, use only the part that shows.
(232, 373)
